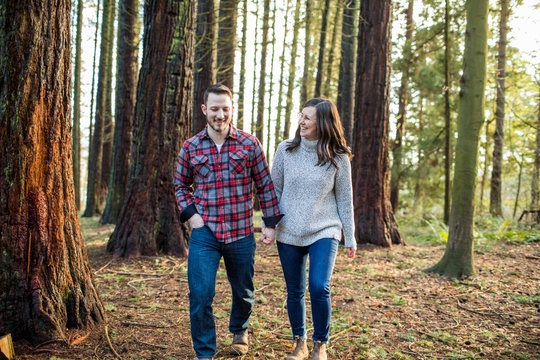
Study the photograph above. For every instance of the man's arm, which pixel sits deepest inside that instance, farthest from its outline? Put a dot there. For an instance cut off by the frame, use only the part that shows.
(183, 186)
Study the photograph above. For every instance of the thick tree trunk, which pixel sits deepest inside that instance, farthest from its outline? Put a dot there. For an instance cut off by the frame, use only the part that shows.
(373, 213)
(292, 71)
(458, 257)
(347, 67)
(397, 148)
(45, 279)
(148, 223)
(95, 159)
(126, 93)
(204, 73)
(242, 84)
(262, 76)
(322, 45)
(498, 137)
(77, 108)
(228, 13)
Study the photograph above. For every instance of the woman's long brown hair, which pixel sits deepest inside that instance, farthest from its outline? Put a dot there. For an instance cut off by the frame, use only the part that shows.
(331, 141)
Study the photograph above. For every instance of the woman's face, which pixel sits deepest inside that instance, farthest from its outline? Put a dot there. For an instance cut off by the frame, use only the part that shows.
(307, 120)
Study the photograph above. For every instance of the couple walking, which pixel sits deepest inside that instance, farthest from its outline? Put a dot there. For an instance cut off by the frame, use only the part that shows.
(306, 203)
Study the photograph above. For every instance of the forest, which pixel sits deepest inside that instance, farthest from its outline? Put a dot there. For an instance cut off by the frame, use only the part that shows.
(440, 104)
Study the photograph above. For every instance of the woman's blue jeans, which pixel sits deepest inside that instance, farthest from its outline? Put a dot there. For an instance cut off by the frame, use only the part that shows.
(322, 256)
(205, 252)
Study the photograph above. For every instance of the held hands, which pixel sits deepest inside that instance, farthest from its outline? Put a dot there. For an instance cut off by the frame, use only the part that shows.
(268, 235)
(350, 252)
(196, 221)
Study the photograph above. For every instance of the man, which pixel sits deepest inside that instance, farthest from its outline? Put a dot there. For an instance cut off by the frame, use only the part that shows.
(213, 184)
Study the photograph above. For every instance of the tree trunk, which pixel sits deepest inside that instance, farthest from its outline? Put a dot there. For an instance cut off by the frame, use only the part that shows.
(347, 71)
(448, 124)
(108, 125)
(262, 76)
(373, 213)
(516, 202)
(305, 93)
(458, 257)
(322, 45)
(271, 85)
(95, 159)
(228, 13)
(204, 73)
(292, 71)
(498, 137)
(333, 44)
(242, 85)
(536, 171)
(278, 131)
(77, 108)
(397, 148)
(486, 164)
(253, 124)
(45, 279)
(148, 223)
(126, 93)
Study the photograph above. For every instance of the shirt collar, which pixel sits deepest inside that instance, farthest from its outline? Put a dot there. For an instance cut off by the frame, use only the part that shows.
(233, 133)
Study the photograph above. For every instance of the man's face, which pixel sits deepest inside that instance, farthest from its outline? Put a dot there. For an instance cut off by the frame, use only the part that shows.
(218, 110)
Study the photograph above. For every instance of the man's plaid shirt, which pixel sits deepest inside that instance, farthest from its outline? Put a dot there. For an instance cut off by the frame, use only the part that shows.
(218, 185)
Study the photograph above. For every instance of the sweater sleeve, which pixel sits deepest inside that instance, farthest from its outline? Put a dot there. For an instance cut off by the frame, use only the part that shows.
(344, 200)
(277, 170)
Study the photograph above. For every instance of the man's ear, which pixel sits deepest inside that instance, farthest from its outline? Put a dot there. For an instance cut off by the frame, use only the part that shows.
(203, 108)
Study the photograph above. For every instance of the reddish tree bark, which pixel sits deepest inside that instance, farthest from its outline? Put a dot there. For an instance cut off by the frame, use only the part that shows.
(45, 280)
(373, 213)
(148, 223)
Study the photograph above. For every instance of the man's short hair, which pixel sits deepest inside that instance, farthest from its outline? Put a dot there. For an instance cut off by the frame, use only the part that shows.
(217, 89)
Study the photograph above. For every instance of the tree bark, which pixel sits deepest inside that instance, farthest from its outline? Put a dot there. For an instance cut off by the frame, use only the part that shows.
(448, 124)
(253, 124)
(77, 108)
(228, 13)
(333, 50)
(292, 71)
(347, 67)
(45, 279)
(242, 85)
(278, 133)
(271, 85)
(498, 137)
(262, 76)
(397, 147)
(536, 171)
(205, 72)
(457, 260)
(322, 45)
(126, 93)
(374, 219)
(148, 223)
(305, 93)
(95, 159)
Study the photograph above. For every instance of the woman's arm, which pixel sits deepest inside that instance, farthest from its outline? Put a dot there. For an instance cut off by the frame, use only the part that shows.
(344, 200)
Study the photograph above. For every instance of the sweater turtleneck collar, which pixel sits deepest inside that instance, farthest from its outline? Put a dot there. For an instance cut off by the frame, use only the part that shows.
(309, 145)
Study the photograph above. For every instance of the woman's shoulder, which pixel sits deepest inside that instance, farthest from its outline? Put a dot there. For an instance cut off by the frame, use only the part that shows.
(284, 145)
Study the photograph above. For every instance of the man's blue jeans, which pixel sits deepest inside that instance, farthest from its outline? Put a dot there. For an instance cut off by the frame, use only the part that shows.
(322, 256)
(205, 252)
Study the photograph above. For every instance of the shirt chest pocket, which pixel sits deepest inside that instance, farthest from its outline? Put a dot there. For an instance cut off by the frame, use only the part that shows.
(200, 165)
(238, 161)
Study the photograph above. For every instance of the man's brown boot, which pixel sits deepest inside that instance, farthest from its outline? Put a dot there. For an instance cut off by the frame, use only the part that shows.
(240, 344)
(300, 351)
(319, 351)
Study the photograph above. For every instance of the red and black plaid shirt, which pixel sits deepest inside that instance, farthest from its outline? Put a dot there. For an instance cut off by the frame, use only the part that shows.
(217, 185)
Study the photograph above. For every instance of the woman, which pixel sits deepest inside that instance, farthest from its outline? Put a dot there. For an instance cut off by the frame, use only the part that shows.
(312, 179)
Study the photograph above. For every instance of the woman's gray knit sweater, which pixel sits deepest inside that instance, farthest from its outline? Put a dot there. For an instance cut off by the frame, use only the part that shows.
(316, 200)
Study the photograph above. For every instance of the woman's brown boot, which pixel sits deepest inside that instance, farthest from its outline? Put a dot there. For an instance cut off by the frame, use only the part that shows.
(300, 351)
(319, 351)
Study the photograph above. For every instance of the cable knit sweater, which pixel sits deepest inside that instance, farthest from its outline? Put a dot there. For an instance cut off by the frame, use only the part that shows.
(316, 200)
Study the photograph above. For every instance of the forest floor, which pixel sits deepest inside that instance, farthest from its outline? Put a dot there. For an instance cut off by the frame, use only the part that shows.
(384, 306)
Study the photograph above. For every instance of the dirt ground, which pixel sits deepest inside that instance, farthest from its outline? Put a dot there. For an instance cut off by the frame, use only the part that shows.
(384, 307)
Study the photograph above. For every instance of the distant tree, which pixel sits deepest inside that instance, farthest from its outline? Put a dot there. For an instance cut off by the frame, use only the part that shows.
(204, 72)
(242, 85)
(292, 71)
(347, 67)
(127, 61)
(46, 282)
(278, 133)
(271, 84)
(495, 208)
(95, 158)
(458, 257)
(254, 93)
(92, 91)
(77, 108)
(447, 122)
(373, 212)
(305, 93)
(228, 13)
(536, 171)
(322, 46)
(148, 223)
(333, 50)
(397, 149)
(262, 76)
